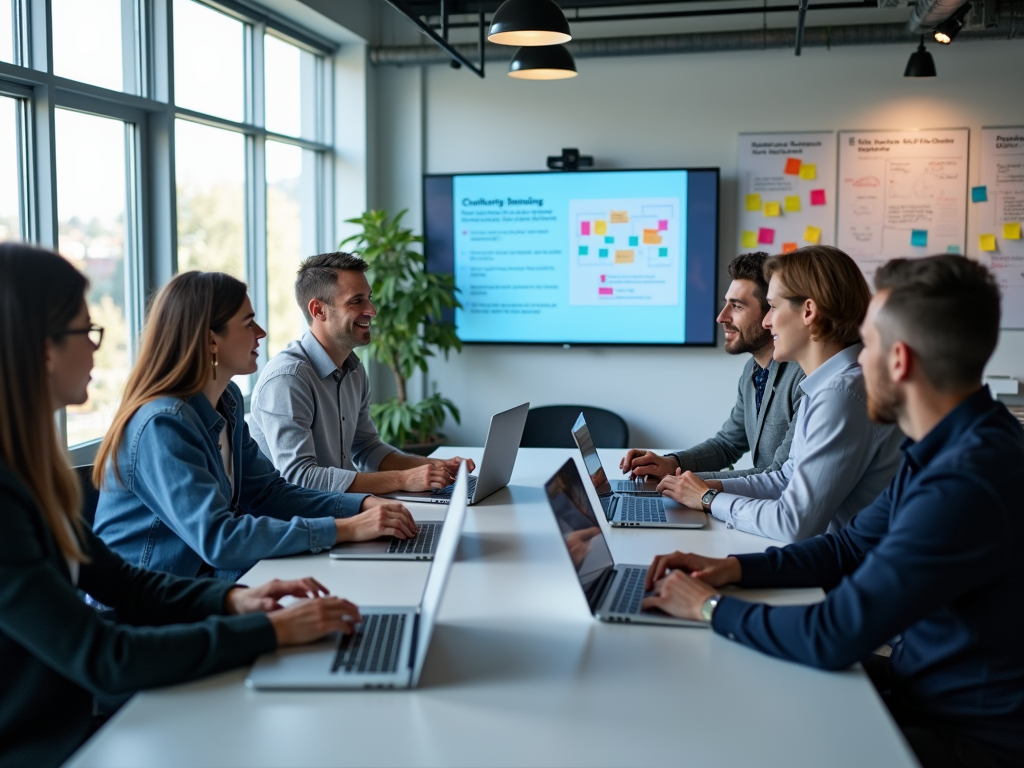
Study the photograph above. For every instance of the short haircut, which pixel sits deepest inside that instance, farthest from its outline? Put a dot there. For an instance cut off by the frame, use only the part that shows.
(317, 277)
(946, 309)
(750, 266)
(833, 280)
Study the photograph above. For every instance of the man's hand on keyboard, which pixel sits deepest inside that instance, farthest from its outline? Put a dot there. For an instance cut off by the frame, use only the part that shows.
(679, 595)
(310, 620)
(452, 465)
(713, 571)
(687, 488)
(639, 463)
(265, 597)
(426, 477)
(388, 518)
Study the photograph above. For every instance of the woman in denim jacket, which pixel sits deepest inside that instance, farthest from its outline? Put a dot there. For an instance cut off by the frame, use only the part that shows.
(184, 488)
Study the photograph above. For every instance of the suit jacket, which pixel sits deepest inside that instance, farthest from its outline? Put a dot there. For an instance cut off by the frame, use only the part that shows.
(56, 652)
(767, 433)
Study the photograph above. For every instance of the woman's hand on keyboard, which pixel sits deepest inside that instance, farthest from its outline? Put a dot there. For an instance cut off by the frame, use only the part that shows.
(388, 518)
(312, 619)
(265, 597)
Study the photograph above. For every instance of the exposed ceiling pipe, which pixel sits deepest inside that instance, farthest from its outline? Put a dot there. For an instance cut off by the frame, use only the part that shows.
(1010, 28)
(801, 17)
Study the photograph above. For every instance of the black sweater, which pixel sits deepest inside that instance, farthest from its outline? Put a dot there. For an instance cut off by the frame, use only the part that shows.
(56, 651)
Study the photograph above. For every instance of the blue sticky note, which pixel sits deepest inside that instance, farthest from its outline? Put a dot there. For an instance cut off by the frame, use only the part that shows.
(584, 250)
(602, 253)
(609, 239)
(634, 240)
(919, 237)
(953, 249)
(979, 194)
(662, 252)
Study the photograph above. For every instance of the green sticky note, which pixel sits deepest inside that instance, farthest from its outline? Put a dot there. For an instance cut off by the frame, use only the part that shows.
(919, 238)
(634, 240)
(749, 239)
(754, 202)
(602, 253)
(953, 249)
(663, 252)
(609, 239)
(979, 194)
(584, 250)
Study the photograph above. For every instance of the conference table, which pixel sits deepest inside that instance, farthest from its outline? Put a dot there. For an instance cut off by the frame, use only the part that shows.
(520, 674)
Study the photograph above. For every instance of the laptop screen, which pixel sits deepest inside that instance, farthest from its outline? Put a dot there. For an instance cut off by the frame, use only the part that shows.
(585, 443)
(579, 527)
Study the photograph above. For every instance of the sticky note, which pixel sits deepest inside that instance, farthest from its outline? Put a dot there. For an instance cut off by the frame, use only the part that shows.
(602, 253)
(663, 253)
(817, 197)
(772, 209)
(619, 217)
(749, 239)
(953, 249)
(624, 257)
(584, 250)
(605, 291)
(634, 241)
(662, 225)
(1011, 231)
(584, 227)
(812, 234)
(600, 227)
(787, 247)
(602, 278)
(979, 194)
(651, 237)
(919, 237)
(792, 204)
(754, 202)
(987, 242)
(609, 240)
(793, 166)
(765, 236)
(808, 171)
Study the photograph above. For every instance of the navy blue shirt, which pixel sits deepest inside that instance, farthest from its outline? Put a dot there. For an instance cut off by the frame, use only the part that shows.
(932, 566)
(760, 379)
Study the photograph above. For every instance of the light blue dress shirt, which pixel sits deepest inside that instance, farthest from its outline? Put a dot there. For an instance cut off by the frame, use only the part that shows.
(839, 462)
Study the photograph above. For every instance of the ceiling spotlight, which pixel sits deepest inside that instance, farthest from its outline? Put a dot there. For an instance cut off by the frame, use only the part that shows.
(947, 31)
(529, 22)
(542, 62)
(921, 63)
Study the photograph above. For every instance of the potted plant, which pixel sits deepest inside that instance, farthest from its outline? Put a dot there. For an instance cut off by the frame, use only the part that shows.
(408, 328)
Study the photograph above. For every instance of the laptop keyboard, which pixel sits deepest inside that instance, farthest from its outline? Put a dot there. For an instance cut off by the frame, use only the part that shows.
(422, 543)
(641, 509)
(373, 647)
(630, 592)
(448, 490)
(637, 487)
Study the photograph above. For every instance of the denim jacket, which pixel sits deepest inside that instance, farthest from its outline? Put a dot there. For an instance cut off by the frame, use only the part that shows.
(174, 509)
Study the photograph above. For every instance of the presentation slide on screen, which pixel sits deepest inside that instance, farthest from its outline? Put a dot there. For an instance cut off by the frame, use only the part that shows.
(576, 257)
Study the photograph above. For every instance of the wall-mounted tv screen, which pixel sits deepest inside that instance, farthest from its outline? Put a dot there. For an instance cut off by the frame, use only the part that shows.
(587, 257)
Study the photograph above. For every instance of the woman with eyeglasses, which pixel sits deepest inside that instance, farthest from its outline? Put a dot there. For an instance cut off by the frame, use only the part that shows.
(183, 487)
(56, 652)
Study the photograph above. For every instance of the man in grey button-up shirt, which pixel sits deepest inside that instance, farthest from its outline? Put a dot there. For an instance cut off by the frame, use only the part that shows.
(310, 410)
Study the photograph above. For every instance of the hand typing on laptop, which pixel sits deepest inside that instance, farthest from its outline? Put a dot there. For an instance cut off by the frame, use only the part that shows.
(682, 581)
(380, 517)
(301, 622)
(687, 488)
(641, 463)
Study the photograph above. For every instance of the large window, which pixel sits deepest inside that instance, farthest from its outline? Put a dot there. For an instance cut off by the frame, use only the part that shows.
(167, 136)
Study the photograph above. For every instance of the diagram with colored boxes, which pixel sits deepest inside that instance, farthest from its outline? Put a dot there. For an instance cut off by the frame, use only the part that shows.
(625, 251)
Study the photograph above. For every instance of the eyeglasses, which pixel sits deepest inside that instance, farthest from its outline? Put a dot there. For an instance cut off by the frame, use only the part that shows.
(94, 332)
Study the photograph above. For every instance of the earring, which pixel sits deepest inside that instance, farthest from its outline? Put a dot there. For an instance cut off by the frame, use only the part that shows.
(214, 366)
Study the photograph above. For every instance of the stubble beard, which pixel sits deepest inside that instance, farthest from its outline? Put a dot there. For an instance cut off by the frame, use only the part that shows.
(743, 343)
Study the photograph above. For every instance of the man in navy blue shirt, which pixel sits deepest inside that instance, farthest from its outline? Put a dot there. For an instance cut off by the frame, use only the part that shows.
(932, 565)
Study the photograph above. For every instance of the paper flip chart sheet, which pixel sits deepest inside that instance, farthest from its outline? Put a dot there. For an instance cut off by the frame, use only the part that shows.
(997, 217)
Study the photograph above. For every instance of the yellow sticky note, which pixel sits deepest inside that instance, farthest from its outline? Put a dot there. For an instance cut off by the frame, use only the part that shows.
(749, 239)
(624, 257)
(987, 242)
(793, 204)
(1011, 231)
(772, 209)
(620, 217)
(754, 202)
(600, 227)
(808, 171)
(812, 234)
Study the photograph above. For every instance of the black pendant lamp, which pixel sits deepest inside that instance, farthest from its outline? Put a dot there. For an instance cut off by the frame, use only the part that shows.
(542, 62)
(529, 22)
(921, 63)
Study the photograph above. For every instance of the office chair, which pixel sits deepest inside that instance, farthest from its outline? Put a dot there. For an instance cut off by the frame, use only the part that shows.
(90, 494)
(550, 426)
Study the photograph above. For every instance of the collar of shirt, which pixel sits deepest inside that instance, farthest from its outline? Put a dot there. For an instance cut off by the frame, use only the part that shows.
(322, 364)
(949, 430)
(213, 420)
(835, 364)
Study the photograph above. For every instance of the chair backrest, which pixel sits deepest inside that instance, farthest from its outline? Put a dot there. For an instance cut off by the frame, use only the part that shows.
(550, 426)
(90, 495)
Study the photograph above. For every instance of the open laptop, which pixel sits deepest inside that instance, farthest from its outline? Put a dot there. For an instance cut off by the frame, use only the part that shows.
(388, 648)
(614, 591)
(632, 509)
(500, 450)
(419, 547)
(581, 434)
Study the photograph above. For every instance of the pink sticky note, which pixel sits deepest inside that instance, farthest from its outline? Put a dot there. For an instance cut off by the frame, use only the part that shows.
(602, 278)
(662, 225)
(605, 291)
(817, 197)
(584, 227)
(765, 236)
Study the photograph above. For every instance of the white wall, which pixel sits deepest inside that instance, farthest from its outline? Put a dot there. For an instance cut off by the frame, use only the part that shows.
(665, 111)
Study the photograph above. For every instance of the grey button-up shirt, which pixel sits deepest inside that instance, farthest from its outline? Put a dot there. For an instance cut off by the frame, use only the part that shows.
(838, 463)
(313, 419)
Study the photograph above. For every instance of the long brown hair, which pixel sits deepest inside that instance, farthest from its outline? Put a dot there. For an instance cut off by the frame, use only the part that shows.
(174, 358)
(34, 280)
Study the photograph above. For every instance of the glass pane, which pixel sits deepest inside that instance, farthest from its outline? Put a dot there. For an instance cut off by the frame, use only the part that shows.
(290, 75)
(91, 206)
(209, 61)
(210, 164)
(10, 194)
(291, 236)
(7, 30)
(87, 41)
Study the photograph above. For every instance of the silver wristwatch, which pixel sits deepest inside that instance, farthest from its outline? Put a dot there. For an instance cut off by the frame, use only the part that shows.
(707, 498)
(707, 610)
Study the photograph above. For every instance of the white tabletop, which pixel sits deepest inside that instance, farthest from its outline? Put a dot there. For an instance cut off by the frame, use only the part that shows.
(519, 673)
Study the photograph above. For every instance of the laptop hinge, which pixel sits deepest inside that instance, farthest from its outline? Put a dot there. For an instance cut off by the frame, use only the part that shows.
(608, 505)
(415, 637)
(600, 587)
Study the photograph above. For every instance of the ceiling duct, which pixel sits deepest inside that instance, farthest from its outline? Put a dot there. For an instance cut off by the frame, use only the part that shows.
(928, 14)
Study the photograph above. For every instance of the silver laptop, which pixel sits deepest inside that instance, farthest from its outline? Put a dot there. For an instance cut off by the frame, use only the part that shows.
(632, 509)
(581, 434)
(390, 645)
(613, 591)
(420, 547)
(496, 465)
